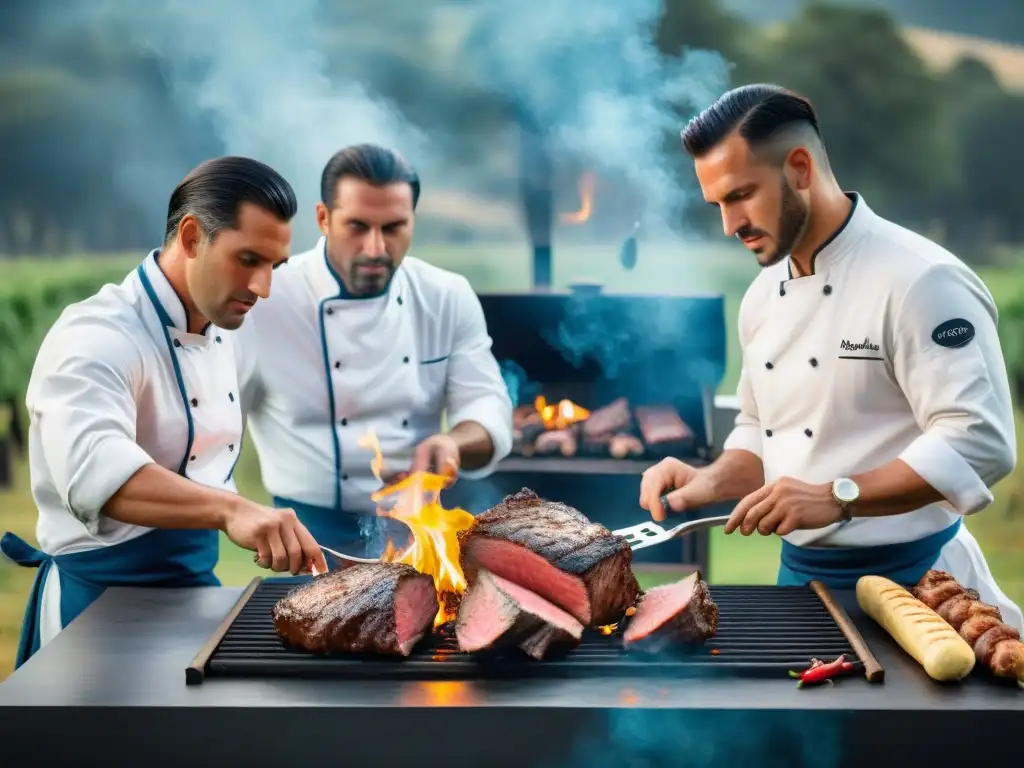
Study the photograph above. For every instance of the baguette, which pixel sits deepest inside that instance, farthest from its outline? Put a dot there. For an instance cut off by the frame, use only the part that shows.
(919, 630)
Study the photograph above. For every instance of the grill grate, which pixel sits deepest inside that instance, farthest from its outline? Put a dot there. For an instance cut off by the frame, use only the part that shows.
(763, 632)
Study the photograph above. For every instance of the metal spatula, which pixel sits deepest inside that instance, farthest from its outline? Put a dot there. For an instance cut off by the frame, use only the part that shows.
(650, 533)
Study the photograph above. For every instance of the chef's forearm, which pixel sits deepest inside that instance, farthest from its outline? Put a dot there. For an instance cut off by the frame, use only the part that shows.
(158, 498)
(475, 445)
(892, 489)
(735, 474)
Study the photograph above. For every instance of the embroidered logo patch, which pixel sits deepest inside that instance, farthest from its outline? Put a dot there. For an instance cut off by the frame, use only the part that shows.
(953, 333)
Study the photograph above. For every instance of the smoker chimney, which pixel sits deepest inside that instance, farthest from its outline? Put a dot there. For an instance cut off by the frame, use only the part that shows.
(535, 184)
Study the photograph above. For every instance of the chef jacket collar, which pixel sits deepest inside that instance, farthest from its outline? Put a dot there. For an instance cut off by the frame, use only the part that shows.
(168, 305)
(843, 240)
(328, 283)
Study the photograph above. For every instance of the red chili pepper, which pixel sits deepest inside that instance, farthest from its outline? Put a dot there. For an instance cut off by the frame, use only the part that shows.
(820, 672)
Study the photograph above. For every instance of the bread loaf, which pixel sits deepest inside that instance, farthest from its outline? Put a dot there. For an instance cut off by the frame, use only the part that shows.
(919, 630)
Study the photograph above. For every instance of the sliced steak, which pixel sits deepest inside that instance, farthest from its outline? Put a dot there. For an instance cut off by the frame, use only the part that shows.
(496, 614)
(553, 550)
(673, 614)
(380, 608)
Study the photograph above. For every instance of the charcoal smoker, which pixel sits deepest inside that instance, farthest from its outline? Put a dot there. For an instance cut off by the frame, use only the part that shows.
(639, 363)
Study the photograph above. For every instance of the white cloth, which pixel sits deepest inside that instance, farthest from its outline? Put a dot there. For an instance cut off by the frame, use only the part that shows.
(319, 371)
(104, 401)
(841, 375)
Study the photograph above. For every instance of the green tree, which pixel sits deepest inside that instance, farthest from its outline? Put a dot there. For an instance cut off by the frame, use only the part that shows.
(881, 111)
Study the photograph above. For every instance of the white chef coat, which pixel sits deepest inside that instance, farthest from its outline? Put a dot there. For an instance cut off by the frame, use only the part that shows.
(841, 374)
(104, 400)
(320, 370)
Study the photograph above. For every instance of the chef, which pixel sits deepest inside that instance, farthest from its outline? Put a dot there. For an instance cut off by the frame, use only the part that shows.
(361, 341)
(875, 409)
(135, 420)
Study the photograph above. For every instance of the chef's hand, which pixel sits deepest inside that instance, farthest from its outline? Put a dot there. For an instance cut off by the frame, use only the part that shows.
(280, 541)
(440, 455)
(693, 488)
(785, 506)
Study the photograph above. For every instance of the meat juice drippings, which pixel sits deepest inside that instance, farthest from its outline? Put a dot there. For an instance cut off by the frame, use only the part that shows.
(415, 501)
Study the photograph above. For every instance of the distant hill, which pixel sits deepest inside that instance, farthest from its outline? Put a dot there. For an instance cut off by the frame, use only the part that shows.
(1001, 20)
(942, 50)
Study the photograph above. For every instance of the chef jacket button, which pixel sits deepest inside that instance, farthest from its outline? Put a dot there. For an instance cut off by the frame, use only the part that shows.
(768, 432)
(808, 432)
(218, 339)
(191, 458)
(405, 422)
(177, 343)
(330, 311)
(782, 290)
(827, 290)
(337, 364)
(194, 402)
(344, 477)
(405, 359)
(768, 365)
(399, 301)
(344, 422)
(231, 396)
(231, 447)
(814, 362)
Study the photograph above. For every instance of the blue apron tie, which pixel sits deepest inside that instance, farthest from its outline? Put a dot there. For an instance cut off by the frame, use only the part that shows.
(350, 533)
(840, 567)
(159, 558)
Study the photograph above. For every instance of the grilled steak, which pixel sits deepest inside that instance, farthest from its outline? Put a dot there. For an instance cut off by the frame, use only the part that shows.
(495, 613)
(672, 614)
(554, 551)
(382, 608)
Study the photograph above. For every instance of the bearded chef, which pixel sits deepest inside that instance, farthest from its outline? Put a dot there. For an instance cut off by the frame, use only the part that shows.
(875, 409)
(135, 420)
(359, 338)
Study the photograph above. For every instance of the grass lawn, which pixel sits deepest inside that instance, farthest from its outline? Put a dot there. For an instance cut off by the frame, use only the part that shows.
(662, 269)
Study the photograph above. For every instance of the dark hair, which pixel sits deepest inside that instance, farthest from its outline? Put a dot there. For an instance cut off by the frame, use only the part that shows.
(214, 191)
(371, 163)
(757, 111)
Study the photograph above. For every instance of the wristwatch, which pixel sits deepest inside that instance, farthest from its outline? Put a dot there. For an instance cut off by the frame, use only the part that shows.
(845, 492)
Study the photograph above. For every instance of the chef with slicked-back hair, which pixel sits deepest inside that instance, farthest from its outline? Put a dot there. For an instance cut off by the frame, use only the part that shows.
(135, 420)
(875, 411)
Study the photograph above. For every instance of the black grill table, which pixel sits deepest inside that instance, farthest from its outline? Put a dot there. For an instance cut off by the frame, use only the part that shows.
(111, 690)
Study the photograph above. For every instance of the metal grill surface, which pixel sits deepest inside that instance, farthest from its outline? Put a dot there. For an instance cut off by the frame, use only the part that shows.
(763, 631)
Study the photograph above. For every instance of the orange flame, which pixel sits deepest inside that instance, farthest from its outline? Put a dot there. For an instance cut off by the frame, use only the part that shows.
(587, 182)
(414, 501)
(559, 416)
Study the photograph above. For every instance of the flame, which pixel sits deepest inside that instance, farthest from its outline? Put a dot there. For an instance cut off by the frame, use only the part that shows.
(415, 501)
(559, 416)
(607, 629)
(587, 182)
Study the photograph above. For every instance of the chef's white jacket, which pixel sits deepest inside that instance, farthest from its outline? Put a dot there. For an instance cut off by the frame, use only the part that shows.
(320, 370)
(106, 397)
(863, 362)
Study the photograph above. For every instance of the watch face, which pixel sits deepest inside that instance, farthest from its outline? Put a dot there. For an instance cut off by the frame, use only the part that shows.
(845, 489)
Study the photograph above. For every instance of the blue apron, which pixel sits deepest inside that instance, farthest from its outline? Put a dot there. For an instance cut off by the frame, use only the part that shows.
(840, 567)
(350, 533)
(160, 558)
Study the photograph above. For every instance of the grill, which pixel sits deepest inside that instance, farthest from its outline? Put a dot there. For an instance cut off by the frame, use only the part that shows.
(764, 631)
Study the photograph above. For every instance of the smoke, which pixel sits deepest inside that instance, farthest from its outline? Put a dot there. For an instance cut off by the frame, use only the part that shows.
(651, 738)
(292, 81)
(588, 72)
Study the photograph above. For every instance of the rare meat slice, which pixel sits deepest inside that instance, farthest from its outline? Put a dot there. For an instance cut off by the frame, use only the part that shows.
(553, 550)
(379, 608)
(673, 614)
(496, 614)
